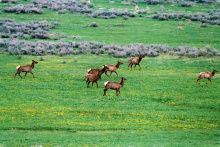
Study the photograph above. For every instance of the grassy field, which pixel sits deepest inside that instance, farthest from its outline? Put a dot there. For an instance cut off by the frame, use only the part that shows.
(159, 105)
(134, 30)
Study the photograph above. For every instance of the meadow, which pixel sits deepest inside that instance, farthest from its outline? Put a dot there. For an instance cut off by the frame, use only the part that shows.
(159, 105)
(161, 102)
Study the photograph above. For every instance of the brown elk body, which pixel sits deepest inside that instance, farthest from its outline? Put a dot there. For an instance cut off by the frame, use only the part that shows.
(113, 68)
(96, 70)
(206, 75)
(114, 86)
(26, 68)
(135, 61)
(93, 78)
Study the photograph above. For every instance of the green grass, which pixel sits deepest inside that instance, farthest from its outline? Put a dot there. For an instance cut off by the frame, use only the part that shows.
(161, 98)
(112, 138)
(158, 106)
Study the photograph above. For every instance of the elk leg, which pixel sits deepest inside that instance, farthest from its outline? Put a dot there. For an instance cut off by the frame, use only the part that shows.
(117, 92)
(25, 75)
(209, 80)
(88, 84)
(198, 80)
(19, 75)
(129, 65)
(116, 73)
(97, 84)
(139, 66)
(15, 75)
(105, 91)
(32, 74)
(106, 73)
(135, 66)
(110, 74)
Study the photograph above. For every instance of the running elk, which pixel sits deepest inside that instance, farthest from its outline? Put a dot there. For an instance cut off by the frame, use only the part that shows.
(114, 86)
(26, 68)
(93, 78)
(135, 61)
(206, 75)
(96, 70)
(113, 68)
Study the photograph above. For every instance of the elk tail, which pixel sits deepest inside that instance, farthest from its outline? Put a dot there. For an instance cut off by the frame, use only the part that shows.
(105, 83)
(18, 67)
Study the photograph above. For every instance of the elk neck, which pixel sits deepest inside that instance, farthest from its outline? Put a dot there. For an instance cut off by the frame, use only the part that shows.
(117, 65)
(139, 59)
(213, 73)
(122, 82)
(32, 65)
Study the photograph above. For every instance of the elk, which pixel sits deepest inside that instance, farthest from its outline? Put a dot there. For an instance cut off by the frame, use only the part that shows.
(96, 70)
(93, 78)
(135, 61)
(26, 68)
(206, 75)
(113, 68)
(114, 86)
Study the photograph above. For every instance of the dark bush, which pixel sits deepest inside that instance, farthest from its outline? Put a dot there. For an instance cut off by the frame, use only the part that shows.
(5, 35)
(152, 2)
(112, 16)
(132, 14)
(203, 25)
(212, 18)
(40, 48)
(142, 11)
(94, 24)
(10, 1)
(186, 4)
(18, 30)
(64, 11)
(125, 17)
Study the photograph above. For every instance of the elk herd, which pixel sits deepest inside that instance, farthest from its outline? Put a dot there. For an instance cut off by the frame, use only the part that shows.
(95, 74)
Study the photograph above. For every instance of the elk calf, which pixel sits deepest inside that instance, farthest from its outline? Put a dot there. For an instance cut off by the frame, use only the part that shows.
(93, 78)
(96, 70)
(26, 68)
(113, 68)
(114, 86)
(206, 75)
(135, 61)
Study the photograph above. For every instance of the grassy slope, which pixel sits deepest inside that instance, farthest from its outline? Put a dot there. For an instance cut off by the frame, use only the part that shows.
(134, 30)
(161, 97)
